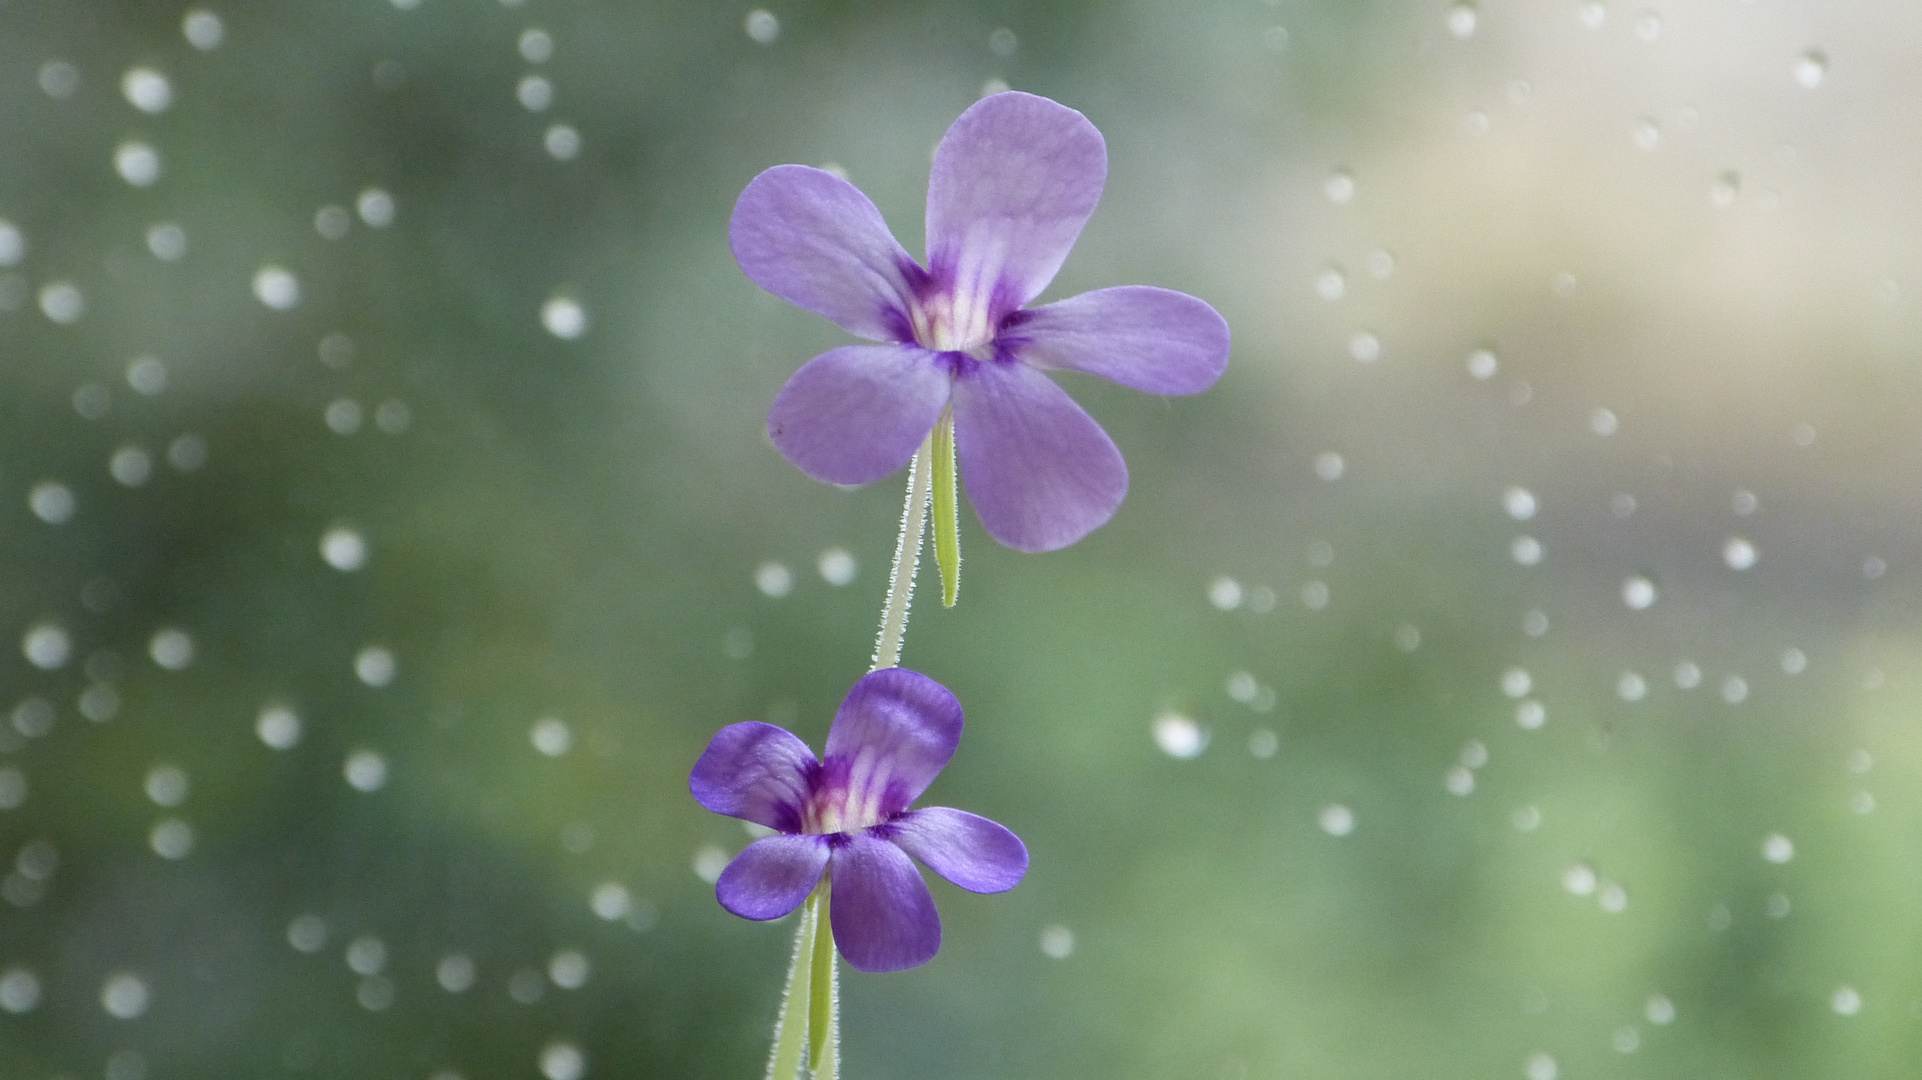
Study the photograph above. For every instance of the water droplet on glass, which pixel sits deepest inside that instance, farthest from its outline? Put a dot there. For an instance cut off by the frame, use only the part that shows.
(568, 969)
(1530, 715)
(1329, 465)
(1540, 1067)
(130, 465)
(1478, 122)
(1407, 637)
(1002, 42)
(1862, 803)
(332, 222)
(1516, 682)
(138, 163)
(59, 79)
(1638, 593)
(1535, 623)
(171, 648)
(167, 242)
(610, 901)
(1562, 284)
(46, 646)
(534, 93)
(1630, 686)
(278, 727)
(564, 1060)
(1727, 185)
(343, 549)
(1528, 818)
(61, 301)
(375, 666)
(166, 785)
(1224, 593)
(1592, 14)
(564, 318)
(343, 416)
(1622, 505)
(551, 736)
(1845, 1001)
(1364, 346)
(738, 643)
(1777, 848)
(51, 502)
(1459, 781)
(99, 703)
(1336, 820)
(762, 26)
(1803, 435)
(709, 861)
(365, 771)
(1525, 550)
(1647, 134)
(1811, 68)
(1612, 899)
(171, 838)
(1263, 743)
(33, 717)
(1339, 187)
(1688, 675)
(563, 143)
(1874, 567)
(1274, 38)
(1314, 595)
(19, 990)
(307, 933)
(837, 566)
(455, 973)
(1627, 1039)
(773, 579)
(1461, 20)
(375, 993)
(13, 788)
(147, 90)
(376, 207)
(1603, 422)
(1331, 284)
(393, 417)
(1261, 600)
(1057, 942)
(276, 287)
(1482, 364)
(367, 955)
(1242, 686)
(536, 45)
(124, 995)
(1739, 553)
(1179, 736)
(1648, 25)
(202, 29)
(1777, 906)
(1519, 503)
(1580, 879)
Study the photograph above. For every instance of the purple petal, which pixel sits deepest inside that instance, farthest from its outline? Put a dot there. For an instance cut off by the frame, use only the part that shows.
(889, 740)
(756, 772)
(772, 876)
(977, 854)
(1157, 340)
(1040, 472)
(859, 412)
(1014, 180)
(882, 915)
(812, 239)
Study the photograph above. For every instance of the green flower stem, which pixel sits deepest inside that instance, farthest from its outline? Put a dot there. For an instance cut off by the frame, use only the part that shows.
(947, 526)
(824, 1011)
(907, 559)
(790, 1031)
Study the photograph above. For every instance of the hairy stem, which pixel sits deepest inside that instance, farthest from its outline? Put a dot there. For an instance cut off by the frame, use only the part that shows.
(907, 559)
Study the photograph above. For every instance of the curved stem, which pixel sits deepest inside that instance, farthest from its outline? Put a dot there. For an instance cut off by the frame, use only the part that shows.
(907, 559)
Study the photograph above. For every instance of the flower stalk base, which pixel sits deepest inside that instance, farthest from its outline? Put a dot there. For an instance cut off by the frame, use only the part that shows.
(807, 1036)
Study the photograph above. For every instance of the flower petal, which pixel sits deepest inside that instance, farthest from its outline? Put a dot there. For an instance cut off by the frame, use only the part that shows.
(889, 740)
(881, 912)
(977, 854)
(772, 876)
(859, 412)
(812, 239)
(1040, 472)
(756, 772)
(1157, 340)
(1014, 180)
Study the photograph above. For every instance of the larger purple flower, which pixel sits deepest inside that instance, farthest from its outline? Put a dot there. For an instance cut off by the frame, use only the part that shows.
(847, 815)
(1014, 180)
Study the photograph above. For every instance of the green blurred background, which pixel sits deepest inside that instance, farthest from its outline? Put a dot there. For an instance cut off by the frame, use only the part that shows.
(1510, 669)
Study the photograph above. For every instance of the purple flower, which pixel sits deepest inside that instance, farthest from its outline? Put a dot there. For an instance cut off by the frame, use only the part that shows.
(1014, 180)
(847, 815)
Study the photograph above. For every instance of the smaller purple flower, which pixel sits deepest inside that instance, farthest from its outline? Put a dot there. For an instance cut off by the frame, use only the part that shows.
(846, 816)
(1014, 180)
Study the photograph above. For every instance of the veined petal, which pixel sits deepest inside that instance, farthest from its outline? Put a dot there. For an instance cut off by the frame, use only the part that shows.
(812, 239)
(882, 914)
(1040, 472)
(859, 412)
(888, 742)
(756, 772)
(772, 876)
(1157, 340)
(1014, 180)
(977, 854)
